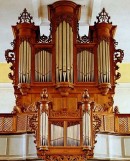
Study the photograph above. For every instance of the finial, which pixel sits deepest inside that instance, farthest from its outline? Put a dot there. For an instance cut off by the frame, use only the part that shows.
(103, 17)
(25, 17)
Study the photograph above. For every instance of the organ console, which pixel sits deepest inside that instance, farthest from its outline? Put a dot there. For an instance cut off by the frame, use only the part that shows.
(65, 79)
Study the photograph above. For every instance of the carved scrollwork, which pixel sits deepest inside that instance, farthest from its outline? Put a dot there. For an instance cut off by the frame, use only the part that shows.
(33, 122)
(66, 158)
(13, 43)
(104, 107)
(64, 88)
(104, 88)
(118, 57)
(83, 39)
(103, 17)
(45, 39)
(64, 114)
(100, 108)
(10, 58)
(25, 17)
(31, 108)
(24, 88)
(96, 124)
(67, 18)
(116, 110)
(115, 43)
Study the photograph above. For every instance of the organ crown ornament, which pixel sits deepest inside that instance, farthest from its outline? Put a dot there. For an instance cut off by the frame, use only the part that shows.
(63, 78)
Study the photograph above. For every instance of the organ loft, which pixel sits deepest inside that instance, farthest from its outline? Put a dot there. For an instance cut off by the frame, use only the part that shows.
(64, 81)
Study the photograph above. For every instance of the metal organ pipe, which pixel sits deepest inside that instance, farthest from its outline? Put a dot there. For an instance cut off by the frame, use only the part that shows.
(85, 64)
(86, 129)
(43, 63)
(24, 62)
(56, 135)
(103, 62)
(64, 53)
(44, 129)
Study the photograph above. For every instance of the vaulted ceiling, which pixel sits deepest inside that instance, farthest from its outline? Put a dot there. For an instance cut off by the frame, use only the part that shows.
(118, 10)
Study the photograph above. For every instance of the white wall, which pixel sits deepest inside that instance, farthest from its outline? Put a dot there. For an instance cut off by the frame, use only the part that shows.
(108, 146)
(122, 97)
(15, 147)
(112, 147)
(7, 98)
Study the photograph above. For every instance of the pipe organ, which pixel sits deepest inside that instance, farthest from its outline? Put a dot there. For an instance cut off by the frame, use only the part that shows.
(85, 66)
(103, 62)
(62, 78)
(64, 53)
(43, 61)
(24, 62)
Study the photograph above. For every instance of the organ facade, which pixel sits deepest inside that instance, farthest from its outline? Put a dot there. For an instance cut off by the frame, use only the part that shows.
(64, 80)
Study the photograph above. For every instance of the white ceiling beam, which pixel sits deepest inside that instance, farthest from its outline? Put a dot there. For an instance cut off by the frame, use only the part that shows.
(36, 5)
(95, 9)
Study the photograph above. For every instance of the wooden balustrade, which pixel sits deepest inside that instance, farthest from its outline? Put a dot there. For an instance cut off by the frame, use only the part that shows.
(16, 123)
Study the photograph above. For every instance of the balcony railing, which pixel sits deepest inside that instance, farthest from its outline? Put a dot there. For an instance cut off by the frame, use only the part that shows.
(18, 123)
(12, 123)
(117, 123)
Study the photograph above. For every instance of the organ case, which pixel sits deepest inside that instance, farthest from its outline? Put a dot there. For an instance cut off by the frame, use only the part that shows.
(62, 69)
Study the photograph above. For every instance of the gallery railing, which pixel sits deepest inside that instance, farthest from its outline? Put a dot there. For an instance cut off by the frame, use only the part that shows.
(15, 123)
(18, 123)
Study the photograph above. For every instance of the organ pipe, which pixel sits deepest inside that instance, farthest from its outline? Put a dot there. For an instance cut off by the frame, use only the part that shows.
(64, 53)
(103, 62)
(73, 135)
(44, 129)
(56, 135)
(43, 66)
(85, 64)
(86, 129)
(24, 62)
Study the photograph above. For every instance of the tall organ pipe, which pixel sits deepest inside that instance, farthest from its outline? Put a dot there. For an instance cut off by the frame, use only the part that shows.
(44, 129)
(64, 53)
(43, 61)
(103, 62)
(85, 66)
(86, 129)
(24, 62)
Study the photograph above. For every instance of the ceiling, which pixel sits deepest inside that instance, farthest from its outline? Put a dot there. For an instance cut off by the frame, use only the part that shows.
(118, 10)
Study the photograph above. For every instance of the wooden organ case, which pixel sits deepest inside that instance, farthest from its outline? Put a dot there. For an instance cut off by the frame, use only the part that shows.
(65, 79)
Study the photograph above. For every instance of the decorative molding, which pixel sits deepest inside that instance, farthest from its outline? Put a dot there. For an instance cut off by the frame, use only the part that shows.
(64, 88)
(64, 114)
(103, 17)
(25, 17)
(10, 58)
(66, 158)
(118, 57)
